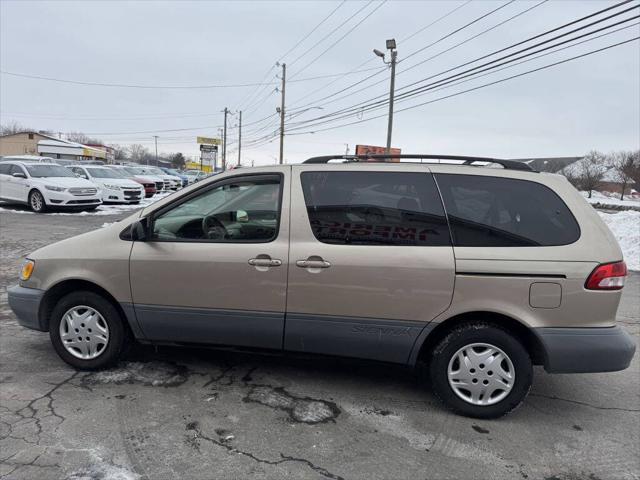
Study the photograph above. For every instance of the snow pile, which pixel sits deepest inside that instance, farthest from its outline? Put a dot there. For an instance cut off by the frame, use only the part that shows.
(626, 228)
(609, 198)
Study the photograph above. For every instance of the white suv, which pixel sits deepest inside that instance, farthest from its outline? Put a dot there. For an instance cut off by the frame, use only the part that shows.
(115, 187)
(46, 185)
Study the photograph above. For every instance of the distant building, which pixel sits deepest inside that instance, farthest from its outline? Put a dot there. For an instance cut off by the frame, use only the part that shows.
(41, 144)
(548, 164)
(23, 143)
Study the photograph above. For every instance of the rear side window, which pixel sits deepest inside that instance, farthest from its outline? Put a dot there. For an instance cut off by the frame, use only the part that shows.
(375, 208)
(505, 212)
(5, 168)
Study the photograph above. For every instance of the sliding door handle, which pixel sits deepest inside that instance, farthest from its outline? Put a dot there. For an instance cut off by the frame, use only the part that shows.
(313, 263)
(265, 262)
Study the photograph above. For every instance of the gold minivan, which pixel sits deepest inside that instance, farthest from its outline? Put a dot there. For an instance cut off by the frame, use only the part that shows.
(472, 272)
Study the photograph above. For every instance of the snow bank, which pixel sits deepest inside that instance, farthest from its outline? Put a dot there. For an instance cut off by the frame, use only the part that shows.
(609, 198)
(626, 228)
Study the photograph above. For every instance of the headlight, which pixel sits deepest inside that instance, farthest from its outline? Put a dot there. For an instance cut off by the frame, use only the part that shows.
(54, 188)
(112, 187)
(27, 269)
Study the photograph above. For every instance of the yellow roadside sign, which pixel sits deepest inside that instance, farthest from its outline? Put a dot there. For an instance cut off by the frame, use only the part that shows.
(208, 141)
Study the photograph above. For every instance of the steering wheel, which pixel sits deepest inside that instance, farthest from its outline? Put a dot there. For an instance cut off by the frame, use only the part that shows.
(213, 228)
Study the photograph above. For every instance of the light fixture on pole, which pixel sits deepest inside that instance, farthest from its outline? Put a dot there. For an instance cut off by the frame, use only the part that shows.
(391, 46)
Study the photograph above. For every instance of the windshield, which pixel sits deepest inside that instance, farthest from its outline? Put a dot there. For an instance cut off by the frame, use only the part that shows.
(191, 173)
(172, 172)
(39, 171)
(155, 171)
(135, 170)
(103, 173)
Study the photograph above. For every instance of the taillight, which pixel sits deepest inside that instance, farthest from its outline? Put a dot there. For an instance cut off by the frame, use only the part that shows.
(609, 276)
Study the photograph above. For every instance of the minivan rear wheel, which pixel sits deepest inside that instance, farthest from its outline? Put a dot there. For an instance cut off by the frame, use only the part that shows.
(87, 331)
(481, 370)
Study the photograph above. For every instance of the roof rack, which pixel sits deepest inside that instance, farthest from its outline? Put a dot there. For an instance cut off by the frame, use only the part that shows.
(506, 164)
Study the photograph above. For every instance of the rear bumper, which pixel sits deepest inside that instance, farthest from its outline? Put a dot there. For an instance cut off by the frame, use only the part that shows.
(25, 303)
(586, 350)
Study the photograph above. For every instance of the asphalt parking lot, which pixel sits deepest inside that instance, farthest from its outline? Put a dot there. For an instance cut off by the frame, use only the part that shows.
(203, 414)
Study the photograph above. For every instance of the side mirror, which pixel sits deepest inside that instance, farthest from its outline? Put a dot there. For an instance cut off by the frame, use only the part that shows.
(242, 216)
(138, 231)
(19, 175)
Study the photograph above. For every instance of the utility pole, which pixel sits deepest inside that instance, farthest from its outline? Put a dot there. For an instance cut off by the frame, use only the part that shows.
(391, 46)
(347, 149)
(284, 76)
(224, 141)
(239, 137)
(155, 137)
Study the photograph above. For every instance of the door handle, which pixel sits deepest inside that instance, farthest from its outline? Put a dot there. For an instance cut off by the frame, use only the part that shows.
(265, 262)
(313, 263)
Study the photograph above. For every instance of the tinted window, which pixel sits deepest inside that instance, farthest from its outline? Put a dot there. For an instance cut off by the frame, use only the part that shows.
(375, 208)
(15, 169)
(5, 168)
(247, 210)
(505, 212)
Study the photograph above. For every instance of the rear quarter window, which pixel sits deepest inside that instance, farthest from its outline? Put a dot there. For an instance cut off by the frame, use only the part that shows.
(505, 212)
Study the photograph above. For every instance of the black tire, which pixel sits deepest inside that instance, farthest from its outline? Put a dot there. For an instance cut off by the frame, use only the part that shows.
(36, 202)
(117, 341)
(490, 334)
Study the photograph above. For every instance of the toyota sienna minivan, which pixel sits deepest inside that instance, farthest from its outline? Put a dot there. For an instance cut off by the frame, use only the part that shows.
(471, 272)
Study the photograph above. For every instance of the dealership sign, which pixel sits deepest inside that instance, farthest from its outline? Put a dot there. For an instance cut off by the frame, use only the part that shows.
(208, 140)
(373, 150)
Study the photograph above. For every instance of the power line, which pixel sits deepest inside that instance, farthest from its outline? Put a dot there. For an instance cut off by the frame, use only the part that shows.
(459, 29)
(502, 80)
(363, 106)
(369, 60)
(348, 32)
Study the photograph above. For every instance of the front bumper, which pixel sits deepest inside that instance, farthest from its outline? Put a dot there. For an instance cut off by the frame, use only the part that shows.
(586, 350)
(25, 303)
(64, 199)
(130, 195)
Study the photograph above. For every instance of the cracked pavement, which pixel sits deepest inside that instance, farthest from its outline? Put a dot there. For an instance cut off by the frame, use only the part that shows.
(205, 414)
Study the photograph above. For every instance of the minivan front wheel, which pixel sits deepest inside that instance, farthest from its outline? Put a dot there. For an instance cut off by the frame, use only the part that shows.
(481, 370)
(86, 331)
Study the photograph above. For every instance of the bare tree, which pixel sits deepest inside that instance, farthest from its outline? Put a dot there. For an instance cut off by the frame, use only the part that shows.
(587, 173)
(14, 127)
(137, 153)
(632, 169)
(80, 137)
(622, 164)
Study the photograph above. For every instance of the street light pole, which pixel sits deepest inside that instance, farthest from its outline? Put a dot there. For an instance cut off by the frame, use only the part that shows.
(391, 46)
(239, 137)
(394, 54)
(155, 137)
(224, 141)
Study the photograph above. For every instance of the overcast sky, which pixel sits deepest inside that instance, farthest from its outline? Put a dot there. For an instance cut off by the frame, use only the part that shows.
(589, 103)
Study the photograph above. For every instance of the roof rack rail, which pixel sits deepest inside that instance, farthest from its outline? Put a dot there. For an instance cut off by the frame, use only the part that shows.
(506, 164)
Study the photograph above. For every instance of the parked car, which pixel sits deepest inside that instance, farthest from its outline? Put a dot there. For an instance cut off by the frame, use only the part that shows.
(171, 182)
(114, 186)
(44, 186)
(472, 274)
(161, 183)
(175, 173)
(194, 176)
(150, 184)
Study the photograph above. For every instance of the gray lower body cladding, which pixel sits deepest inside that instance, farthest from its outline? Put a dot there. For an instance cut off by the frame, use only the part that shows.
(566, 350)
(25, 303)
(586, 350)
